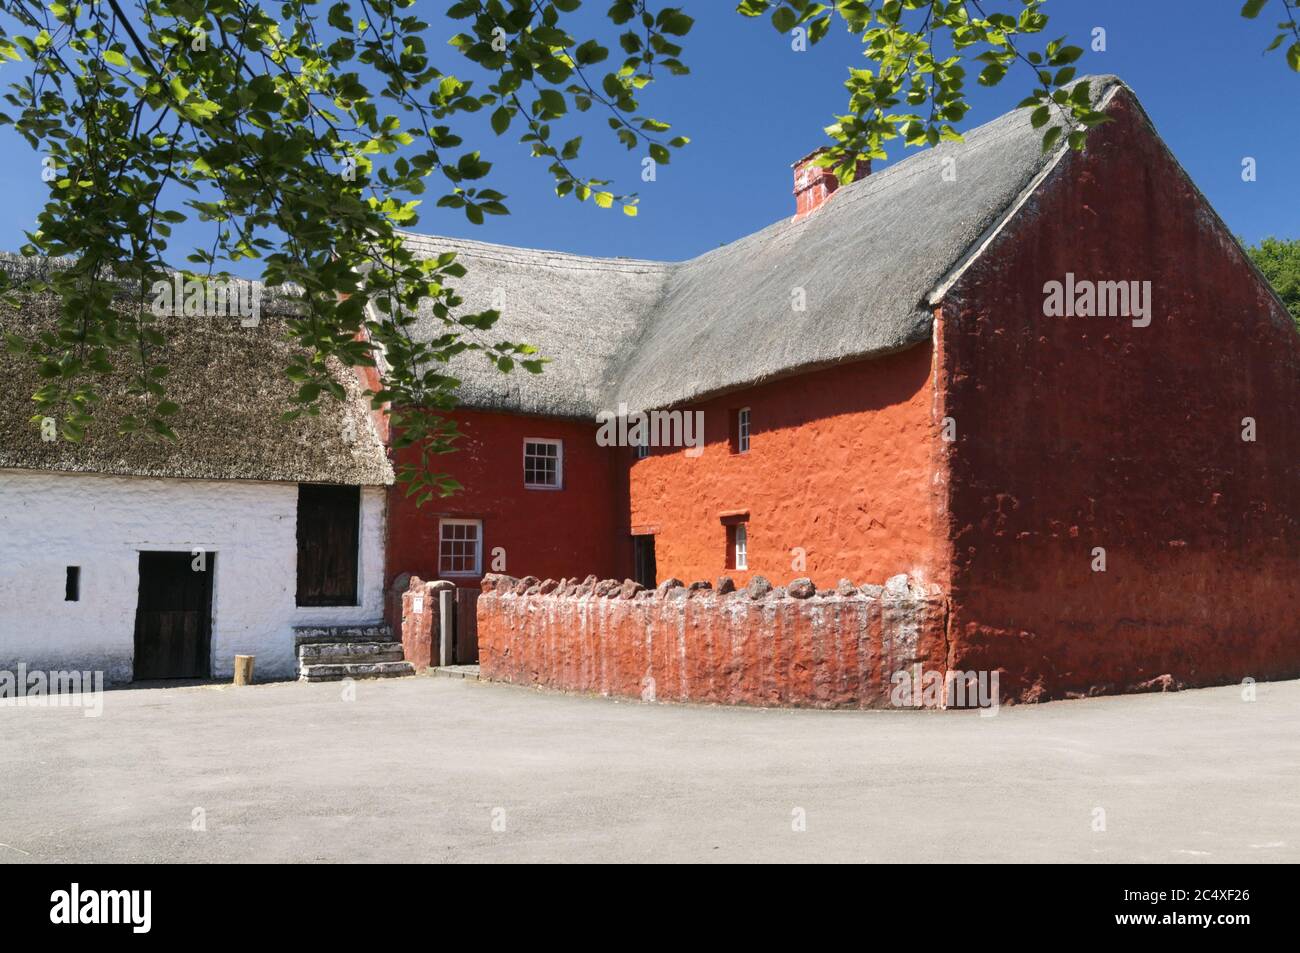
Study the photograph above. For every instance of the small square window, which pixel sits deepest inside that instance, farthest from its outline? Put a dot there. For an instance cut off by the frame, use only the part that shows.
(740, 431)
(460, 547)
(72, 585)
(543, 464)
(737, 546)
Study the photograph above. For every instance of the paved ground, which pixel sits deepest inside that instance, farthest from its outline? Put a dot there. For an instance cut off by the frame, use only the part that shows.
(418, 769)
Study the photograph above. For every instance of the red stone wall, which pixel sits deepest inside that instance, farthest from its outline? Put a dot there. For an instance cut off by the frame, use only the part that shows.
(420, 622)
(842, 465)
(826, 650)
(1078, 433)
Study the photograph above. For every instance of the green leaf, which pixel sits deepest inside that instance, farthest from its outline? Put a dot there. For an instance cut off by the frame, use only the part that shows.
(1252, 8)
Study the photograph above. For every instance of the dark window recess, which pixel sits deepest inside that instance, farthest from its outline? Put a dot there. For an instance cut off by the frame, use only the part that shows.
(644, 550)
(328, 538)
(72, 585)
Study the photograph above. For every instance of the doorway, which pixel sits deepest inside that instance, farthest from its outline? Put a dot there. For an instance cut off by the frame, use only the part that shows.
(173, 616)
(643, 548)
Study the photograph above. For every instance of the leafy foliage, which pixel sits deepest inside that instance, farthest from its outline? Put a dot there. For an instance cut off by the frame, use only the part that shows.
(1288, 30)
(306, 140)
(1279, 260)
(916, 87)
(919, 50)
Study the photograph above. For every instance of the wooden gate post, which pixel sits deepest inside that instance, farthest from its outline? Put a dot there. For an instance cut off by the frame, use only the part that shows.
(446, 614)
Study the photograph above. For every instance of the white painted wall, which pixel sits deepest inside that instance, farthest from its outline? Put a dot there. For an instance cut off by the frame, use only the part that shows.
(49, 521)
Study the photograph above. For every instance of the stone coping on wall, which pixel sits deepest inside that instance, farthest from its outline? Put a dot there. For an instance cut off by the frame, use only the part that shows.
(793, 645)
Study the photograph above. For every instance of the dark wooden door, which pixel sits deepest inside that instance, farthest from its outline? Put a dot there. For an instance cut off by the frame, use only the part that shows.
(645, 568)
(173, 616)
(466, 623)
(328, 536)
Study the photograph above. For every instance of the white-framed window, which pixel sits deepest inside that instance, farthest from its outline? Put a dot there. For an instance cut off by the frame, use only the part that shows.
(737, 546)
(742, 430)
(460, 547)
(543, 463)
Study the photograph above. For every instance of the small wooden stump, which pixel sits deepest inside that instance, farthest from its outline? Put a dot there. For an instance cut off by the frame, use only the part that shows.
(244, 669)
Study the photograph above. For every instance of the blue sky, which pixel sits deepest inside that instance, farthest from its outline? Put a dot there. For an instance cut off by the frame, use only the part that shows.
(751, 106)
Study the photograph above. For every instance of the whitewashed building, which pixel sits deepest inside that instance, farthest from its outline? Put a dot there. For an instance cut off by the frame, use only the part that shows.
(144, 558)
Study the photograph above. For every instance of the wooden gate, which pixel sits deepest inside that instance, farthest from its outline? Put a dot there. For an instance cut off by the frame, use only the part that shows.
(465, 626)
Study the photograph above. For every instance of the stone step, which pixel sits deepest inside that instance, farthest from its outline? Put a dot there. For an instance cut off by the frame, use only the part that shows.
(456, 671)
(368, 632)
(310, 653)
(330, 672)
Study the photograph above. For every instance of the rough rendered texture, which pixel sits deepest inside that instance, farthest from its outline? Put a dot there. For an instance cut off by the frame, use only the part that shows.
(1077, 433)
(420, 622)
(840, 475)
(52, 520)
(698, 646)
(992, 465)
(569, 531)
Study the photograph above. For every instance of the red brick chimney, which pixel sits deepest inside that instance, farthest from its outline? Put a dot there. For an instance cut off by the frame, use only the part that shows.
(814, 185)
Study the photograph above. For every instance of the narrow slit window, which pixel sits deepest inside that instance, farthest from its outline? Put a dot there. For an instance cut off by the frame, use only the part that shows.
(737, 546)
(740, 431)
(72, 585)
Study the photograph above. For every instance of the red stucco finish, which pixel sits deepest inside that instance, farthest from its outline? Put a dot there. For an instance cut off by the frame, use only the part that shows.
(841, 465)
(827, 651)
(578, 529)
(1076, 433)
(1073, 436)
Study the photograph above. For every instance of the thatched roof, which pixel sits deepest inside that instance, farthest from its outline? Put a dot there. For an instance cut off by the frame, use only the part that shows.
(654, 334)
(230, 383)
(578, 311)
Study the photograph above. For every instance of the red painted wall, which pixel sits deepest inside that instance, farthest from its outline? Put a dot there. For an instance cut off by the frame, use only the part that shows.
(824, 652)
(1075, 433)
(573, 531)
(841, 464)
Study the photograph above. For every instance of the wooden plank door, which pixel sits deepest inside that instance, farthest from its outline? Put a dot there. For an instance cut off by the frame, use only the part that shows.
(329, 534)
(466, 616)
(173, 616)
(645, 570)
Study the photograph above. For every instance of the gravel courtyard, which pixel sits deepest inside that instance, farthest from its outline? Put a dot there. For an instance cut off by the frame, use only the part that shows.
(437, 769)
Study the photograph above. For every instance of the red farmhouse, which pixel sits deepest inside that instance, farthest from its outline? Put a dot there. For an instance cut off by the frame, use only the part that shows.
(1048, 389)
